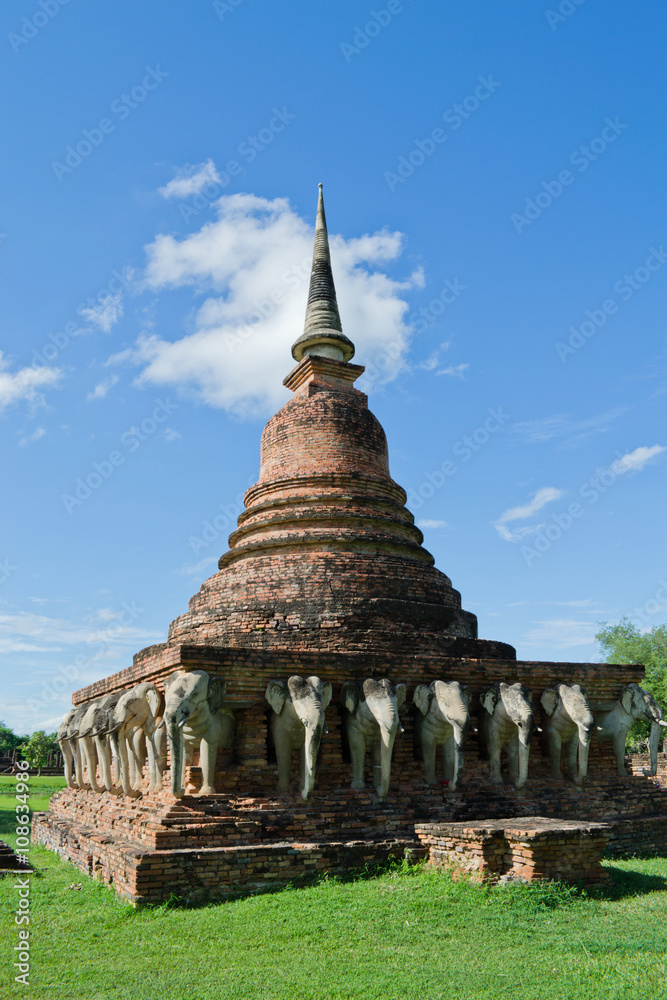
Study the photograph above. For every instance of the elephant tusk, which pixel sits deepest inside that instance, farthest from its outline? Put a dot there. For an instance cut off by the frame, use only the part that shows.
(326, 729)
(538, 728)
(161, 723)
(661, 722)
(182, 723)
(400, 728)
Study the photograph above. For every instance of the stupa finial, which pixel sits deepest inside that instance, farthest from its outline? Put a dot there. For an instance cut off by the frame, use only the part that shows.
(323, 331)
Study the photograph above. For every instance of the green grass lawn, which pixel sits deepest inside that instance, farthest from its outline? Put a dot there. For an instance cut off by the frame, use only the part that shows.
(408, 933)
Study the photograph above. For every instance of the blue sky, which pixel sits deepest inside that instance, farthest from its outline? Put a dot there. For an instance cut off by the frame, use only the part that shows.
(494, 183)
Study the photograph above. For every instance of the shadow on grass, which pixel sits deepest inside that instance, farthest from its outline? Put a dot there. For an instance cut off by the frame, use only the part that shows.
(628, 883)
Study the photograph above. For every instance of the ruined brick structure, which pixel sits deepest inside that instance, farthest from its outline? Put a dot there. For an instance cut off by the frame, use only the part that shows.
(326, 575)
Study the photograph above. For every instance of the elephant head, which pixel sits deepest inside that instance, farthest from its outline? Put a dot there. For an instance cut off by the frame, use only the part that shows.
(640, 704)
(372, 721)
(507, 719)
(72, 737)
(66, 748)
(614, 722)
(443, 721)
(94, 731)
(135, 715)
(195, 716)
(297, 723)
(569, 720)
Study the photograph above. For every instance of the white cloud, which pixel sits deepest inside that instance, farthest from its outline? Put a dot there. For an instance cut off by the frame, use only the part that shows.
(427, 523)
(191, 180)
(634, 461)
(455, 370)
(561, 425)
(562, 633)
(199, 567)
(36, 435)
(100, 390)
(171, 435)
(22, 385)
(106, 313)
(252, 265)
(543, 496)
(24, 631)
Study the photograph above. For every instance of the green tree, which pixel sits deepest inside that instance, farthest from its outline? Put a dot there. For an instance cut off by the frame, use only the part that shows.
(38, 747)
(624, 643)
(9, 740)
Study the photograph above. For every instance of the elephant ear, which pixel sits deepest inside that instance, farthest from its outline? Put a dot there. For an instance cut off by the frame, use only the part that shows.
(489, 699)
(401, 695)
(275, 694)
(422, 698)
(327, 692)
(215, 693)
(627, 695)
(349, 696)
(155, 701)
(172, 678)
(549, 700)
(528, 695)
(465, 691)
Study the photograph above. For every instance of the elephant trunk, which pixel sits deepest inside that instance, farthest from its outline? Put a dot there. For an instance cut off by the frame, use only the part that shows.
(523, 754)
(584, 745)
(657, 732)
(387, 736)
(176, 750)
(460, 734)
(310, 751)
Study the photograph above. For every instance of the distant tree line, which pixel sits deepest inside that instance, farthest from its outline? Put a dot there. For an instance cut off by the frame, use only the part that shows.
(37, 749)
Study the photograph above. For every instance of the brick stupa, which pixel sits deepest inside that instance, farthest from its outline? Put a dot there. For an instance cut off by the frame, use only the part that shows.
(326, 575)
(326, 556)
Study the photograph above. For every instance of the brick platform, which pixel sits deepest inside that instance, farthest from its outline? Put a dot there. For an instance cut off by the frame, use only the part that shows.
(531, 848)
(326, 575)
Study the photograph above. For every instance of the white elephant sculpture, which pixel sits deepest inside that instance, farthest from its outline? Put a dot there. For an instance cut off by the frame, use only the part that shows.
(507, 720)
(371, 723)
(297, 723)
(194, 716)
(443, 721)
(94, 741)
(614, 723)
(68, 738)
(135, 735)
(568, 720)
(65, 744)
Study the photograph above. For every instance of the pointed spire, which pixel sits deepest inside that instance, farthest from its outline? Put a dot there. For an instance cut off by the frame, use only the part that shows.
(323, 331)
